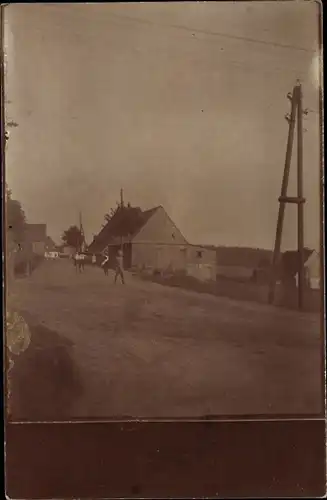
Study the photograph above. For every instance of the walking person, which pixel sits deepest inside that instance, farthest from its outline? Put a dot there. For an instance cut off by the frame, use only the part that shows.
(119, 267)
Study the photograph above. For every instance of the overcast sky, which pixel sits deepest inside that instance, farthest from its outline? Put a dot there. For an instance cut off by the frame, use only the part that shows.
(181, 104)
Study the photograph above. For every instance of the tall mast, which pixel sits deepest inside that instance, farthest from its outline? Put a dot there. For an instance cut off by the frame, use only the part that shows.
(81, 231)
(299, 200)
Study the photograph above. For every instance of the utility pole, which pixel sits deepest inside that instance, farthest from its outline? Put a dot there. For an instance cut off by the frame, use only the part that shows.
(300, 202)
(82, 246)
(121, 206)
(296, 114)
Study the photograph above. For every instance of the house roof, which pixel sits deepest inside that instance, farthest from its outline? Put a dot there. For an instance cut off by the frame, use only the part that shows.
(125, 223)
(50, 244)
(313, 263)
(290, 261)
(36, 232)
(314, 257)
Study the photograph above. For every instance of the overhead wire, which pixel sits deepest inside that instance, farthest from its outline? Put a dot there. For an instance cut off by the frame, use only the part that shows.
(193, 30)
(231, 62)
(217, 33)
(242, 65)
(234, 63)
(228, 62)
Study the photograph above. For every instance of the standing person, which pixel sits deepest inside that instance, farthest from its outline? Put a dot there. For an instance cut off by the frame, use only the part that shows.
(82, 262)
(76, 260)
(105, 264)
(94, 260)
(119, 267)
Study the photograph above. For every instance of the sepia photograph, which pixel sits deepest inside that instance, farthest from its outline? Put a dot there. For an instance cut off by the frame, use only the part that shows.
(163, 211)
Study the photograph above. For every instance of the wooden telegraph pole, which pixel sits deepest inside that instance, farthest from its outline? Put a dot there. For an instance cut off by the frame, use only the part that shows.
(122, 206)
(82, 246)
(300, 200)
(295, 115)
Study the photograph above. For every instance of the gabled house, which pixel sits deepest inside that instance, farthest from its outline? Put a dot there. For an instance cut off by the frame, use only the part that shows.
(65, 250)
(51, 251)
(289, 265)
(312, 269)
(50, 245)
(150, 240)
(36, 237)
(31, 248)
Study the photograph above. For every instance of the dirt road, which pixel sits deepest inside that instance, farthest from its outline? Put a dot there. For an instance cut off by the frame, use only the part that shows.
(151, 351)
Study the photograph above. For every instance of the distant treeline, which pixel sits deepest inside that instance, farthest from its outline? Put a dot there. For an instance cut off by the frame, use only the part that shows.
(242, 256)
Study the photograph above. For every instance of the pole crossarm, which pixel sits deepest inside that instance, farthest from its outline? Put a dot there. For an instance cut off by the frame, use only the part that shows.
(291, 199)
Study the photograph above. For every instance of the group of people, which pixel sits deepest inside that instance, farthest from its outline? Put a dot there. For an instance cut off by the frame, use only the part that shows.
(79, 262)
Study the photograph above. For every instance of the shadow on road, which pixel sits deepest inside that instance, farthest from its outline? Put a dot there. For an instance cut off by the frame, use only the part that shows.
(45, 381)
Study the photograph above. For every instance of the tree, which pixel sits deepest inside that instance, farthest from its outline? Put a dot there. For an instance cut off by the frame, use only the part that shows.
(113, 211)
(16, 219)
(73, 237)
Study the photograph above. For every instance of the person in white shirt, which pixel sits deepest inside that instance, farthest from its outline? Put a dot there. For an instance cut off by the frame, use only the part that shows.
(82, 262)
(79, 262)
(105, 264)
(76, 260)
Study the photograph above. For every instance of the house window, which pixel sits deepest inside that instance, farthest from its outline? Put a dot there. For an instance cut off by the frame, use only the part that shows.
(199, 254)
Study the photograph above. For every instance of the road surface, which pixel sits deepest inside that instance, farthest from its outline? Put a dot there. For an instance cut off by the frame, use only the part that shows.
(145, 350)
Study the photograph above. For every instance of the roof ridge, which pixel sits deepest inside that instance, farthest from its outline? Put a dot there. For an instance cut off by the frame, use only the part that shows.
(152, 209)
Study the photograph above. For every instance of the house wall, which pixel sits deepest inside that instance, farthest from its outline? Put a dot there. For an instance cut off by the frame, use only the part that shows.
(201, 263)
(312, 272)
(314, 266)
(38, 247)
(156, 256)
(194, 261)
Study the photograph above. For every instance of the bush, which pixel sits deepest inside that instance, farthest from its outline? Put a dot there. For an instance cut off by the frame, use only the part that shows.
(21, 265)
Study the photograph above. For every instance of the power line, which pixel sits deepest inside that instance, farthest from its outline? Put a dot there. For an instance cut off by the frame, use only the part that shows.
(244, 66)
(228, 62)
(197, 30)
(215, 33)
(234, 63)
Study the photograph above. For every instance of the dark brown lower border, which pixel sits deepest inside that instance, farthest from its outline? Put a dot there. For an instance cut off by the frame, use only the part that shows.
(161, 460)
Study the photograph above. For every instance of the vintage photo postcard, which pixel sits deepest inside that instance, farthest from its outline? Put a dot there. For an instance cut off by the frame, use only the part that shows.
(163, 222)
